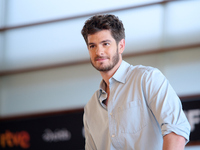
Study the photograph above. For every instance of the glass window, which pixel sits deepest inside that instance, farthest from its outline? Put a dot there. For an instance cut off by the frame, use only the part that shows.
(143, 26)
(2, 13)
(182, 22)
(45, 44)
(176, 23)
(62, 41)
(28, 11)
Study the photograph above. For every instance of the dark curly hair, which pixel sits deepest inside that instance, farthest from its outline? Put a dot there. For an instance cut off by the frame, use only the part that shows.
(104, 22)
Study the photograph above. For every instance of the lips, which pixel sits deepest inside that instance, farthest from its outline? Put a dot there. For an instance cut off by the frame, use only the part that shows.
(100, 58)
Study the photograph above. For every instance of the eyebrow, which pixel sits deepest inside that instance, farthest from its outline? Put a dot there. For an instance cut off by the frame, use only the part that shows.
(91, 43)
(104, 41)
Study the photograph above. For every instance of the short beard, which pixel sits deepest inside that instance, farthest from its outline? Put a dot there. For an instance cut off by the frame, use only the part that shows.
(115, 60)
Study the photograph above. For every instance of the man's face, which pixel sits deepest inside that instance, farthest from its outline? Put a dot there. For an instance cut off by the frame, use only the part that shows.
(103, 50)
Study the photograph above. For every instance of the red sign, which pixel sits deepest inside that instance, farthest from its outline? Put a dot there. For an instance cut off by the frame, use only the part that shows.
(16, 139)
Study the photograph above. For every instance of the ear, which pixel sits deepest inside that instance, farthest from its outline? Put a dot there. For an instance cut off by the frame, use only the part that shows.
(121, 46)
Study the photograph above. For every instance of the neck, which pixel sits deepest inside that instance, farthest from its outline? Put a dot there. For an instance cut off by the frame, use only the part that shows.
(108, 74)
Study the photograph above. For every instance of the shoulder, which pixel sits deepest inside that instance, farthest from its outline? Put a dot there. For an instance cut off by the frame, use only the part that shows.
(141, 70)
(145, 74)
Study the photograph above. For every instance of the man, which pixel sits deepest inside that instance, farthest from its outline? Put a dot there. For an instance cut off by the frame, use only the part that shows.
(135, 107)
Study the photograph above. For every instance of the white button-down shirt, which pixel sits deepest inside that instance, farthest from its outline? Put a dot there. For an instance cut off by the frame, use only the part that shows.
(142, 108)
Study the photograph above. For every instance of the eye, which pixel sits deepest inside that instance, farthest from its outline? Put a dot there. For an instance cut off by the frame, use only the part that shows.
(91, 46)
(106, 44)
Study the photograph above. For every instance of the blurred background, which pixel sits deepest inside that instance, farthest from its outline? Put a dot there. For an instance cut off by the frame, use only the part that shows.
(44, 63)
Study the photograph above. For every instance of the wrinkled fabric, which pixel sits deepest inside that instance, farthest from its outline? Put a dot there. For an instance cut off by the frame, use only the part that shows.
(142, 108)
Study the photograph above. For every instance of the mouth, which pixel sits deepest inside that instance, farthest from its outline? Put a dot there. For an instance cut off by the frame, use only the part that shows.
(100, 59)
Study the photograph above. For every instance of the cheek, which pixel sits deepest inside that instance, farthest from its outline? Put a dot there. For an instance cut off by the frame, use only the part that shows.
(92, 54)
(112, 51)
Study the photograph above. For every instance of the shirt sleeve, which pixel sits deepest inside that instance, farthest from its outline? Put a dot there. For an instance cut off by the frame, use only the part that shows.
(165, 104)
(89, 143)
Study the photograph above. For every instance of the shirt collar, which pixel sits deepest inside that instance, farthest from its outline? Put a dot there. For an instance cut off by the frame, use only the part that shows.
(120, 76)
(121, 73)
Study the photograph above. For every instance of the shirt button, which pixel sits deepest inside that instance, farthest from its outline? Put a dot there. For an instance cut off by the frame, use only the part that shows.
(113, 135)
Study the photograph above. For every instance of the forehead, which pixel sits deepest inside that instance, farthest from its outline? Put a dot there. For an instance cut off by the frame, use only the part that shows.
(100, 36)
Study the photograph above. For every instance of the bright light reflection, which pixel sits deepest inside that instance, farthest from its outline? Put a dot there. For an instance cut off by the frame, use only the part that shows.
(23, 11)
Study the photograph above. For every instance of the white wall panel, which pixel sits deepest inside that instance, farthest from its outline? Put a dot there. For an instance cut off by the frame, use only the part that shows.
(71, 87)
(181, 68)
(2, 51)
(182, 22)
(192, 147)
(57, 89)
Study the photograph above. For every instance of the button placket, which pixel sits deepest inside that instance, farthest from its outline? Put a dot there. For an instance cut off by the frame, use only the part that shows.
(111, 117)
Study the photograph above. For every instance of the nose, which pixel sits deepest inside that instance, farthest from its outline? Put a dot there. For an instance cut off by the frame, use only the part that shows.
(99, 51)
